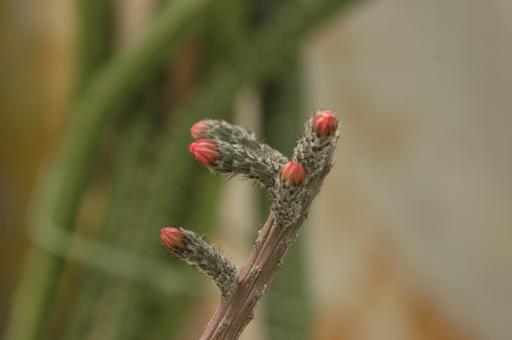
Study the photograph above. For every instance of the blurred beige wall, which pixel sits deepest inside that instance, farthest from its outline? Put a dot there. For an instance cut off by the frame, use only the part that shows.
(410, 236)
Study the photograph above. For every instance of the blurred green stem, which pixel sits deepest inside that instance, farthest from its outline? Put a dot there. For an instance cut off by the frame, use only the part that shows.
(95, 33)
(137, 304)
(124, 326)
(61, 192)
(123, 191)
(144, 313)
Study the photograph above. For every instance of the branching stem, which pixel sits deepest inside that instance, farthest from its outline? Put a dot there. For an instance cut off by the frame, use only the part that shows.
(274, 240)
(292, 188)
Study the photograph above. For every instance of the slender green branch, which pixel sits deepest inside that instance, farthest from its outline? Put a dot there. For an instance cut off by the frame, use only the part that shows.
(115, 261)
(221, 34)
(95, 34)
(137, 301)
(123, 191)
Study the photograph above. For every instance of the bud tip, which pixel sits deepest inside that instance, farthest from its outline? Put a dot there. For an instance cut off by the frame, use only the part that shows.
(324, 123)
(292, 173)
(171, 237)
(204, 151)
(198, 129)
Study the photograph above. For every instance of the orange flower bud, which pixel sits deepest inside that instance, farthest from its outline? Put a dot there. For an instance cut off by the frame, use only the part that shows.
(324, 123)
(198, 129)
(292, 173)
(204, 151)
(171, 237)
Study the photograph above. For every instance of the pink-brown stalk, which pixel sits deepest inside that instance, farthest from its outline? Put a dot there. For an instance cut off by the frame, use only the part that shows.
(292, 185)
(274, 240)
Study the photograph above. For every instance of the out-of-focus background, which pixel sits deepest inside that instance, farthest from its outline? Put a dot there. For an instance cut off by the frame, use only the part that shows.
(409, 238)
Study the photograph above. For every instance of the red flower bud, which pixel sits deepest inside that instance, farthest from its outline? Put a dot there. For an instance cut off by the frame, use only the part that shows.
(292, 173)
(204, 151)
(324, 123)
(198, 129)
(171, 237)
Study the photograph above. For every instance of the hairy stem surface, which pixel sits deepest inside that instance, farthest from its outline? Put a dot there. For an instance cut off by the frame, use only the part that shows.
(275, 239)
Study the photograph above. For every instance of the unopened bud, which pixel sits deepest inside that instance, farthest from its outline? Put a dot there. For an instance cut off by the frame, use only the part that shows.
(198, 129)
(292, 173)
(204, 151)
(171, 237)
(324, 123)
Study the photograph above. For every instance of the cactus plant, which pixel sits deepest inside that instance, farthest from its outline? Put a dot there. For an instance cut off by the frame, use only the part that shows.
(291, 186)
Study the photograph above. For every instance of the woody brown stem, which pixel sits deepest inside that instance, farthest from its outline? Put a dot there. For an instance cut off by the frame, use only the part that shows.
(275, 238)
